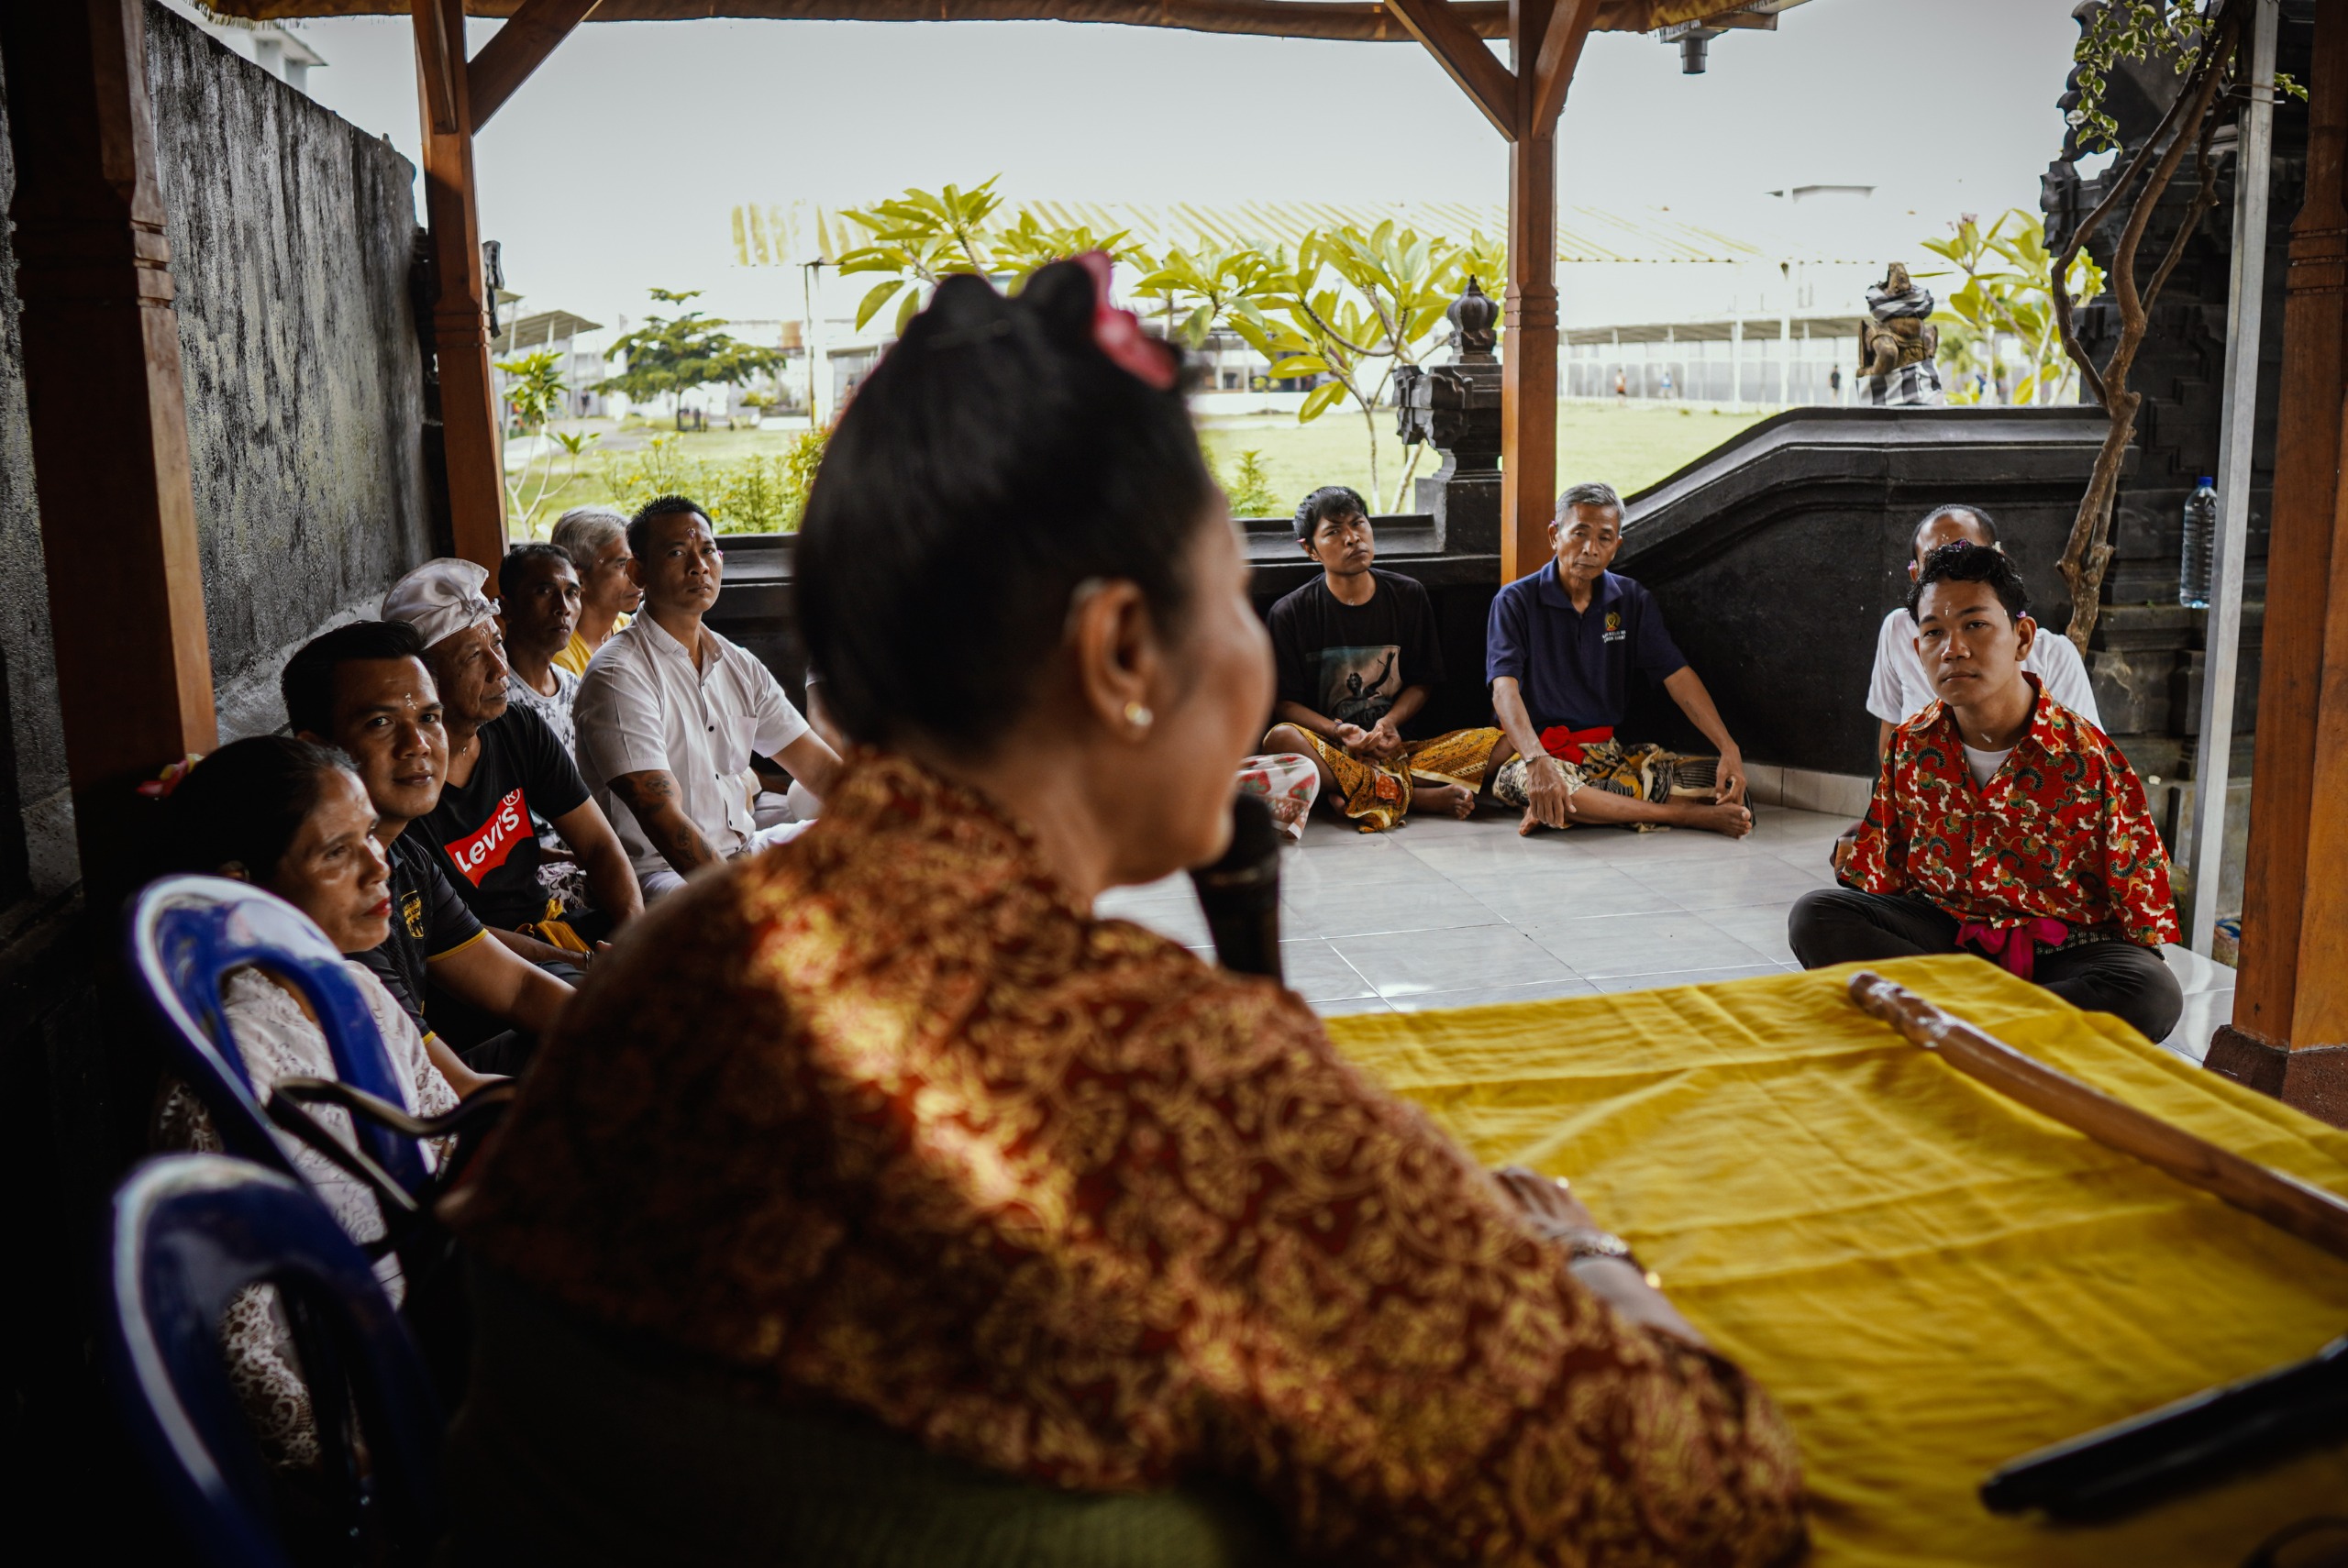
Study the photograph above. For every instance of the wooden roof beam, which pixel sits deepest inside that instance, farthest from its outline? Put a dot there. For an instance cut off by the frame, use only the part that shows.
(1489, 86)
(520, 47)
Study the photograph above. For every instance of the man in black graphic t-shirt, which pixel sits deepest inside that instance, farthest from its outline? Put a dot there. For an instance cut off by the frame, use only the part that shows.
(1358, 653)
(504, 765)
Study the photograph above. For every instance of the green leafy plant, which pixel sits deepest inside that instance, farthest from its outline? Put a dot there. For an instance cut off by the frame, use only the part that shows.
(676, 354)
(763, 494)
(2008, 291)
(534, 396)
(1251, 488)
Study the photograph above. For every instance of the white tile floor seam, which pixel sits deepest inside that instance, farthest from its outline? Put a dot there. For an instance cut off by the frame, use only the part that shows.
(1442, 913)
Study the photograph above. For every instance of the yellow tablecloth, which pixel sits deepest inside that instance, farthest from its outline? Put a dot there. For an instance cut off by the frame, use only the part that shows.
(1930, 1278)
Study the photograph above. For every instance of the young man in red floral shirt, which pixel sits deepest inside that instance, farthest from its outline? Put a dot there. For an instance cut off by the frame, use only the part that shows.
(2002, 823)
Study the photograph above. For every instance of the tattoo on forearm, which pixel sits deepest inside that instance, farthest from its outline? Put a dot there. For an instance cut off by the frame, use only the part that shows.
(652, 796)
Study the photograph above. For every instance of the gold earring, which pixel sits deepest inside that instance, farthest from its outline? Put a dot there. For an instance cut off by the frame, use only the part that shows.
(1138, 716)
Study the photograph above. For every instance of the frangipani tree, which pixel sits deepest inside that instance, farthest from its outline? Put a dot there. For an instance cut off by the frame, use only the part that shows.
(1349, 304)
(2008, 291)
(922, 239)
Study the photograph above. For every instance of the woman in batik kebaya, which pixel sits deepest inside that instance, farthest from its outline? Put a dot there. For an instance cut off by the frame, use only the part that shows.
(875, 1202)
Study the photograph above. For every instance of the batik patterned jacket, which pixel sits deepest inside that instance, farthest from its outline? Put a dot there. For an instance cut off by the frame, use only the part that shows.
(2062, 830)
(883, 1118)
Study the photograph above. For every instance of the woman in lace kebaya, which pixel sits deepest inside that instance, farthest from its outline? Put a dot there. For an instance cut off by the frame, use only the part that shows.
(291, 817)
(876, 1202)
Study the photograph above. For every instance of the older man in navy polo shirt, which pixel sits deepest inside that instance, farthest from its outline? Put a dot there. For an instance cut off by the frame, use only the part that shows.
(1559, 652)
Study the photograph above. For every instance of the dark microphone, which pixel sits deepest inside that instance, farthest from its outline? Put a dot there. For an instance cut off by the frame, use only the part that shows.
(1241, 892)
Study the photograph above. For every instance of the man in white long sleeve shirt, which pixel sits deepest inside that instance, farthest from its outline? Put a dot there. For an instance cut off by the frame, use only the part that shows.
(1898, 689)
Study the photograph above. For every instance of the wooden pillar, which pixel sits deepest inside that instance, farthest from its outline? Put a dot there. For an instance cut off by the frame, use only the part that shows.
(109, 426)
(2289, 1033)
(1529, 356)
(1523, 102)
(459, 313)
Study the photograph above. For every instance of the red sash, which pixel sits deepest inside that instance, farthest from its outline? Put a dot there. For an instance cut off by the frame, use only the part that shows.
(1566, 745)
(2015, 946)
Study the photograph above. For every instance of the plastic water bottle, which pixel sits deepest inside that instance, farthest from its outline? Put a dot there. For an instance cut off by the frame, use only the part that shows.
(2201, 543)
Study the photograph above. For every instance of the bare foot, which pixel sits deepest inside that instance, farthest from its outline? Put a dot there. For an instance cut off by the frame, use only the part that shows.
(1449, 800)
(1733, 821)
(1530, 825)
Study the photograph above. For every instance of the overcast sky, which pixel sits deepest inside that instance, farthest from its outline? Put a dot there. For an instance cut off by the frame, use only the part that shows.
(617, 165)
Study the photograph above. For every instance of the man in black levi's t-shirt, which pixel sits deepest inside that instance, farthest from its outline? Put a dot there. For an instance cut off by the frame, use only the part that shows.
(504, 767)
(1358, 653)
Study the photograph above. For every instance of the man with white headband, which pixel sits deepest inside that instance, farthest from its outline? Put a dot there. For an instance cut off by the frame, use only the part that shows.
(504, 767)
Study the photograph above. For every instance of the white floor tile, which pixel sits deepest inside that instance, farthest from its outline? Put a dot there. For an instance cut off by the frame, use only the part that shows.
(1534, 893)
(1616, 945)
(1314, 971)
(1488, 996)
(1408, 964)
(1375, 907)
(2195, 973)
(2204, 1011)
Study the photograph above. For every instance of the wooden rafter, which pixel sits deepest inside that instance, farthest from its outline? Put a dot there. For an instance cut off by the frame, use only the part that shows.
(1352, 20)
(520, 47)
(1461, 52)
(1560, 53)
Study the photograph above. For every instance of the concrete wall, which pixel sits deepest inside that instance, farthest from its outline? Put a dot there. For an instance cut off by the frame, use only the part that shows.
(291, 232)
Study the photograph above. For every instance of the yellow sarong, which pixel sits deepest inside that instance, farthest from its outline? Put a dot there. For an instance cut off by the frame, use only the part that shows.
(1376, 795)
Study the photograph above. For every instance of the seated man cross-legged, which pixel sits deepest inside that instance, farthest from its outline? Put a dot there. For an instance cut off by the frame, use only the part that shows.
(1561, 648)
(671, 715)
(2003, 822)
(1356, 655)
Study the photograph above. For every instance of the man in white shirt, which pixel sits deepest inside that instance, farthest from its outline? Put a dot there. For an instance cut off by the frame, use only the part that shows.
(670, 714)
(1899, 689)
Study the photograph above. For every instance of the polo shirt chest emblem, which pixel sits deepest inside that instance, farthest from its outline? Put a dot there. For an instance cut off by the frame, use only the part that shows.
(1614, 633)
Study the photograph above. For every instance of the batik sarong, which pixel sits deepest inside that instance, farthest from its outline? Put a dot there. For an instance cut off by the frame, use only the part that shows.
(1636, 772)
(1376, 795)
(1288, 782)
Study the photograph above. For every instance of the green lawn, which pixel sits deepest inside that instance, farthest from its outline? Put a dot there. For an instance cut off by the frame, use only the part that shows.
(1629, 449)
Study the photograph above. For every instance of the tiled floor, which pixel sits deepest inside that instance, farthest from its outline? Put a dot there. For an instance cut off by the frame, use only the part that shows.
(1445, 913)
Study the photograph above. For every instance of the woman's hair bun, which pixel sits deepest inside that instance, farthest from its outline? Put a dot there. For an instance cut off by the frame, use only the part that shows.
(996, 459)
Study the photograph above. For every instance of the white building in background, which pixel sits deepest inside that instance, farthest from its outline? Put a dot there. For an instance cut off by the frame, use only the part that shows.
(275, 48)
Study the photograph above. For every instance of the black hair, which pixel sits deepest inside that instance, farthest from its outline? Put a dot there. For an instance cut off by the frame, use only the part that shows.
(1964, 561)
(1949, 508)
(996, 459)
(307, 683)
(1329, 501)
(242, 805)
(639, 527)
(537, 551)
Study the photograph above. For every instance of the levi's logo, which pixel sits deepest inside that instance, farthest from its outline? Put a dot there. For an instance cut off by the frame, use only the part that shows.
(485, 849)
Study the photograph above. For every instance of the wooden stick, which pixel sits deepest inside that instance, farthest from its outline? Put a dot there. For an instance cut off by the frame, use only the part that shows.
(2285, 1202)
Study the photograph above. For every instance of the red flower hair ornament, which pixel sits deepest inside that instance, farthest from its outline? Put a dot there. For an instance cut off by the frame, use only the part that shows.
(1119, 333)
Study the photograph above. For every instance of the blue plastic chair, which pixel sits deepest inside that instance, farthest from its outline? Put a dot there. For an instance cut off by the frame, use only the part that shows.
(189, 1231)
(187, 935)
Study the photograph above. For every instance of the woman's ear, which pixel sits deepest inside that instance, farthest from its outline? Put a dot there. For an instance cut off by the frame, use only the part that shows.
(235, 871)
(1115, 641)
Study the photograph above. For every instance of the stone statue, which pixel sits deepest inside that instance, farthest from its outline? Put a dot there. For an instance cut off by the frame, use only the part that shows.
(1898, 345)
